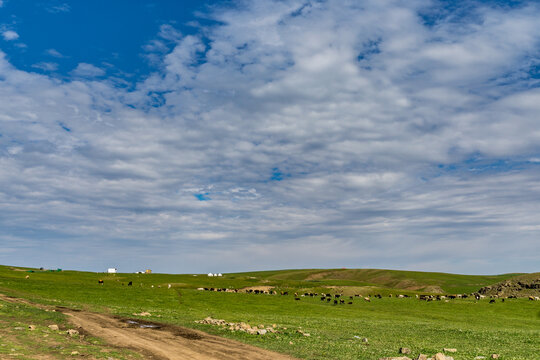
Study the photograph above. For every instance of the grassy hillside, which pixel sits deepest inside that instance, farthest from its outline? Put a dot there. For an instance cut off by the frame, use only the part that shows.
(392, 279)
(511, 329)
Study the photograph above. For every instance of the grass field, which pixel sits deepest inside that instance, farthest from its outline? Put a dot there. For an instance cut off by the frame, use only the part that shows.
(511, 329)
(18, 341)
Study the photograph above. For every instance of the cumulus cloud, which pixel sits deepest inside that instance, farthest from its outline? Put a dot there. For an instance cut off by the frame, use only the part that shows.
(9, 35)
(288, 134)
(87, 70)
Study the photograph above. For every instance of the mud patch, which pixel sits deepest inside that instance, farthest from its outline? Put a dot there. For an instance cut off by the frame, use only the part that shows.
(151, 325)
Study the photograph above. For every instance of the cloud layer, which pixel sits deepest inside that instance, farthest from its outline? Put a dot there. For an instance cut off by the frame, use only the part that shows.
(287, 134)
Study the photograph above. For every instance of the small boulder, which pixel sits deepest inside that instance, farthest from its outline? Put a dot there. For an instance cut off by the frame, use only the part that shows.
(494, 356)
(421, 357)
(479, 358)
(450, 350)
(74, 353)
(261, 332)
(32, 327)
(53, 327)
(441, 356)
(404, 350)
(72, 332)
(396, 358)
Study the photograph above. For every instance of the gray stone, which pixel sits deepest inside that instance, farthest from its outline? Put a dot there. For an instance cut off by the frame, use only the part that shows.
(404, 350)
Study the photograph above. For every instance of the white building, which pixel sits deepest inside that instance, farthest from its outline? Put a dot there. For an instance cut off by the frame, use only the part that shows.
(112, 270)
(210, 274)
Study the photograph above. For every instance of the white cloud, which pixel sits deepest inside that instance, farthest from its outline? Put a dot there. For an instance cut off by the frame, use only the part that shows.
(46, 66)
(325, 135)
(168, 32)
(87, 70)
(10, 35)
(59, 8)
(54, 53)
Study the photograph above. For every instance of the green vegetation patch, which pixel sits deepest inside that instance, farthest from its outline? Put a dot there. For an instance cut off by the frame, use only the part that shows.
(475, 328)
(25, 334)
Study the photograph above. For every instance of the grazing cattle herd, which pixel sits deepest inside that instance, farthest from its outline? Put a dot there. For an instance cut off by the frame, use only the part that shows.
(338, 298)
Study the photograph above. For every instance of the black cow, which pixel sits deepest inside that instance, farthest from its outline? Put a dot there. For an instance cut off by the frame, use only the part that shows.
(130, 283)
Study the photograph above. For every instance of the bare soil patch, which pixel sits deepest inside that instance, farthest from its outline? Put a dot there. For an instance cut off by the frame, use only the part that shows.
(160, 341)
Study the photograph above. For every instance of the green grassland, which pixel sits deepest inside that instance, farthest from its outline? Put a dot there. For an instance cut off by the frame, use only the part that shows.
(511, 329)
(18, 341)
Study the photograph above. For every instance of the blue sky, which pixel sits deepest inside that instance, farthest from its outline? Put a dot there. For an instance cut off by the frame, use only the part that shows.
(202, 136)
(110, 35)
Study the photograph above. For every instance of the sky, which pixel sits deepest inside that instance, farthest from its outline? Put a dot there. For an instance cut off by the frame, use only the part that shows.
(224, 136)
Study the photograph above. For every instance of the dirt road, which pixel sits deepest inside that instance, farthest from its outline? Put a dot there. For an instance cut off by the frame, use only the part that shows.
(161, 341)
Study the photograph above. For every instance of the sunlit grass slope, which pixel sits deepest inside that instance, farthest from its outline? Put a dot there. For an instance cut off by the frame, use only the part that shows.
(511, 329)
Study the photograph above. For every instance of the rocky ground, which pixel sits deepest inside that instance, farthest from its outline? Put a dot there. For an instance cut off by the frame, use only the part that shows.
(519, 286)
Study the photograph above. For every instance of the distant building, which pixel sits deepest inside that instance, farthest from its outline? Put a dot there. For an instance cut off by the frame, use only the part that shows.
(112, 270)
(219, 274)
(210, 274)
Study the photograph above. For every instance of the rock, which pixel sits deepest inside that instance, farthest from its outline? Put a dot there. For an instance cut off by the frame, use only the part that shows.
(441, 356)
(494, 356)
(72, 332)
(450, 350)
(291, 343)
(261, 332)
(396, 358)
(53, 327)
(421, 357)
(32, 327)
(18, 328)
(404, 350)
(146, 313)
(479, 358)
(74, 353)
